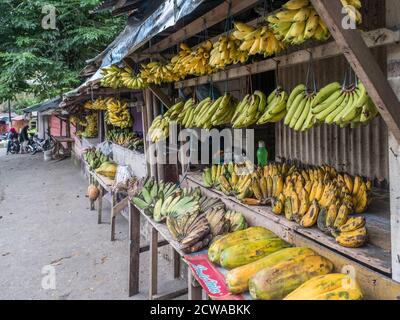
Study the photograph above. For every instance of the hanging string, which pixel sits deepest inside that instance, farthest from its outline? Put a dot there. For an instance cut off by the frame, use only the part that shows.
(229, 19)
(277, 82)
(311, 74)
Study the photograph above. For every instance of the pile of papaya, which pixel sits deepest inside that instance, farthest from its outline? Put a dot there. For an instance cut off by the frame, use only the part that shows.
(270, 269)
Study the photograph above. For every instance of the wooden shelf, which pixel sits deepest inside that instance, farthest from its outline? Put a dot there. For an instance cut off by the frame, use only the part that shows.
(371, 255)
(375, 38)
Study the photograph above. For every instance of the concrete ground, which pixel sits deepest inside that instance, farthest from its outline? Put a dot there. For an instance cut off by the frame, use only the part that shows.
(46, 228)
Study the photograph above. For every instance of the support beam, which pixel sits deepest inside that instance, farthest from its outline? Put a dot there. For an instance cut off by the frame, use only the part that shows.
(208, 20)
(363, 63)
(393, 54)
(375, 38)
(161, 96)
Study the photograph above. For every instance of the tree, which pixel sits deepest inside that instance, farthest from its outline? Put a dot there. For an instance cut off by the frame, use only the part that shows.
(45, 62)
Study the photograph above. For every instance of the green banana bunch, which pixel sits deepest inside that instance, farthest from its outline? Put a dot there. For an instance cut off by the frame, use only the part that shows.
(276, 108)
(344, 106)
(299, 113)
(159, 129)
(249, 110)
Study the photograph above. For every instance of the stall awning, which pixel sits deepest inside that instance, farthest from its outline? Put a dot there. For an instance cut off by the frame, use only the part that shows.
(134, 34)
(44, 106)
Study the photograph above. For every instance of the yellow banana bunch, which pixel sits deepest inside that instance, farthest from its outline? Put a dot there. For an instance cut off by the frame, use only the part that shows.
(298, 21)
(111, 77)
(159, 129)
(158, 72)
(98, 104)
(118, 114)
(90, 126)
(226, 51)
(197, 63)
(131, 80)
(259, 40)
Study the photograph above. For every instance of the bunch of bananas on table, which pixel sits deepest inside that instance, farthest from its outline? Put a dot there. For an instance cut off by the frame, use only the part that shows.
(192, 219)
(111, 77)
(94, 158)
(158, 72)
(298, 21)
(276, 107)
(98, 104)
(118, 114)
(226, 51)
(249, 110)
(131, 80)
(327, 198)
(259, 40)
(90, 125)
(343, 106)
(125, 138)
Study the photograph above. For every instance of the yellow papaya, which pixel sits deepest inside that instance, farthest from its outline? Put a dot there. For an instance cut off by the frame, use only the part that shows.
(277, 282)
(249, 251)
(237, 279)
(234, 238)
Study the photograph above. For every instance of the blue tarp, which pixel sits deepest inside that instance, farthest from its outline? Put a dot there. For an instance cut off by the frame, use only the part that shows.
(134, 35)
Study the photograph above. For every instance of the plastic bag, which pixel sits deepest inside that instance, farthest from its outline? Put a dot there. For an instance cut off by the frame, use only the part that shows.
(106, 148)
(123, 174)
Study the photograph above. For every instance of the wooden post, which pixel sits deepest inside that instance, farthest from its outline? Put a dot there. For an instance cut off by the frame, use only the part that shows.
(392, 16)
(134, 249)
(176, 261)
(100, 204)
(150, 117)
(194, 289)
(363, 63)
(112, 218)
(153, 276)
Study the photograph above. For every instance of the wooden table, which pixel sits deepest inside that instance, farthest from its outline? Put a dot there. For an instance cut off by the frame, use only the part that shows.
(135, 215)
(58, 141)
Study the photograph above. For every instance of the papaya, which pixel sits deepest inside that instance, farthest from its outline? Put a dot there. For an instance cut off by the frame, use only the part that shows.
(277, 282)
(334, 286)
(234, 238)
(249, 251)
(237, 279)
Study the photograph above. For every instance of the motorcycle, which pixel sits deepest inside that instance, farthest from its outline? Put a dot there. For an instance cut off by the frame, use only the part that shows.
(15, 146)
(41, 145)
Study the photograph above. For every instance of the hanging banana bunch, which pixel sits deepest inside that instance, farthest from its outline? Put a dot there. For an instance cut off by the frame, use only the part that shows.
(249, 110)
(344, 106)
(259, 40)
(298, 21)
(90, 125)
(111, 77)
(98, 104)
(159, 129)
(131, 80)
(226, 51)
(197, 63)
(299, 111)
(158, 72)
(276, 107)
(118, 114)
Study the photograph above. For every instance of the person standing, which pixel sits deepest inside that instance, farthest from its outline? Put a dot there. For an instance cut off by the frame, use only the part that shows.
(12, 134)
(24, 138)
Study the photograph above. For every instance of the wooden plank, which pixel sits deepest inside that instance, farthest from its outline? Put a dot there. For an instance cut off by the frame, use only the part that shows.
(392, 20)
(112, 216)
(121, 206)
(153, 272)
(371, 255)
(161, 96)
(171, 295)
(375, 38)
(195, 290)
(161, 243)
(134, 250)
(363, 63)
(211, 18)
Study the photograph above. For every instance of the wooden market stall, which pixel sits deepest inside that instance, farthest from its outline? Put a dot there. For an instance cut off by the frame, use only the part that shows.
(369, 151)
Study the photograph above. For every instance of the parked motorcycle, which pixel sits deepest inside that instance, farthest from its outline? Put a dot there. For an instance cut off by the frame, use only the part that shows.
(41, 145)
(15, 146)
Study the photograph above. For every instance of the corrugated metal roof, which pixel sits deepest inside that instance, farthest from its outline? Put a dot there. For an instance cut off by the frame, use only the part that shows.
(45, 105)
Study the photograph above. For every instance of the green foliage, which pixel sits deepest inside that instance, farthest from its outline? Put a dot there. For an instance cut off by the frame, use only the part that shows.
(46, 62)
